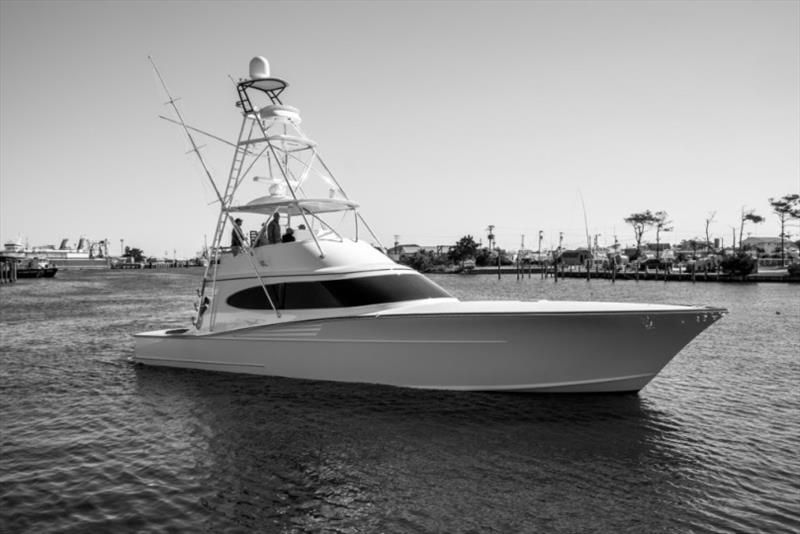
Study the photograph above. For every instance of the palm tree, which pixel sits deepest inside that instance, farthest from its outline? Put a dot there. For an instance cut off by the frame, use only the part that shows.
(662, 225)
(751, 217)
(709, 220)
(640, 222)
(786, 208)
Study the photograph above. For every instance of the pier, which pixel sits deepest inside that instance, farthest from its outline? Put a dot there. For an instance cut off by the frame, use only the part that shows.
(171, 264)
(660, 275)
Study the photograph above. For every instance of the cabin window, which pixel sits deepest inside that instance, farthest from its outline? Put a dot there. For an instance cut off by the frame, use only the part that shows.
(338, 293)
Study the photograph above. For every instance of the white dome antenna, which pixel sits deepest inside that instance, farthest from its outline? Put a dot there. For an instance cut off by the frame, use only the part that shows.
(259, 68)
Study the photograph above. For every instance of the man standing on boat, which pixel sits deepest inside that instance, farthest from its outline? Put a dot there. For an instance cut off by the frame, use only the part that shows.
(236, 237)
(261, 240)
(274, 229)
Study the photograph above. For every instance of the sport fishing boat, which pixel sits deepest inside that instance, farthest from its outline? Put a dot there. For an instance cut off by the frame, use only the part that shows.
(332, 306)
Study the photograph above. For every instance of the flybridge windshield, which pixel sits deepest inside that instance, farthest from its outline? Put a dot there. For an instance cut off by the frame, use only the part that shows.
(338, 293)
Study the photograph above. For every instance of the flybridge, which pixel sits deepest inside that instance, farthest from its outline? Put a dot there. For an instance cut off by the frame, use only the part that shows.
(275, 170)
(276, 167)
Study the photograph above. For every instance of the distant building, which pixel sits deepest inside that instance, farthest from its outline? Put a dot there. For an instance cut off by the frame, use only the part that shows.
(401, 252)
(768, 245)
(657, 246)
(575, 257)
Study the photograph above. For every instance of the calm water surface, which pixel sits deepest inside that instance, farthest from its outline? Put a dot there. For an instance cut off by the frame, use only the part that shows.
(92, 443)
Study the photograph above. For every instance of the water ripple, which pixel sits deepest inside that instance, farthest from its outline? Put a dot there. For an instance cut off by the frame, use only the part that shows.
(89, 442)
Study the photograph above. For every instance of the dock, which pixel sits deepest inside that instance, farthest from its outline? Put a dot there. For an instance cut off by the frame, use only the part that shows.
(651, 275)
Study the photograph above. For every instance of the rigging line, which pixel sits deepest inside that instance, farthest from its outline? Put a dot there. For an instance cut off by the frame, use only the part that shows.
(322, 222)
(212, 136)
(309, 166)
(329, 176)
(303, 176)
(289, 171)
(198, 130)
(242, 175)
(358, 214)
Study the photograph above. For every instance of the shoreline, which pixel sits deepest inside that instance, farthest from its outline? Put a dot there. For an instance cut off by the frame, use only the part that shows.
(767, 276)
(780, 276)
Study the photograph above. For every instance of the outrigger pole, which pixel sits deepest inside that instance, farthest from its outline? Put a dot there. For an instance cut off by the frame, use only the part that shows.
(198, 130)
(224, 207)
(180, 121)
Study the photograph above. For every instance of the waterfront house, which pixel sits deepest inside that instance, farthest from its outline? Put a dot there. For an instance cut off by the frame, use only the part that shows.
(575, 257)
(768, 245)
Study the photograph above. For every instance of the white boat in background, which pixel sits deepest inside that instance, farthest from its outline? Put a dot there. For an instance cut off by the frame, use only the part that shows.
(331, 306)
(86, 255)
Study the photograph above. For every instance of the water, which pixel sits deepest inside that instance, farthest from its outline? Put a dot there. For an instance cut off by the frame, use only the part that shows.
(91, 443)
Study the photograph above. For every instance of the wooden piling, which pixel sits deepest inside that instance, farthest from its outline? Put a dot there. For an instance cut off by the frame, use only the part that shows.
(8, 270)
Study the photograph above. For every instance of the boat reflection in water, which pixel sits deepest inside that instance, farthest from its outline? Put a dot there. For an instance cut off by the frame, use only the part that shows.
(378, 459)
(330, 306)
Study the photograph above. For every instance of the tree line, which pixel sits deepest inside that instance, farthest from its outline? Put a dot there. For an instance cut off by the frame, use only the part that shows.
(786, 208)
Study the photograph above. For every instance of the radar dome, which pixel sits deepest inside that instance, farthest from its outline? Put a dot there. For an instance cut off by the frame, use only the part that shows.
(259, 68)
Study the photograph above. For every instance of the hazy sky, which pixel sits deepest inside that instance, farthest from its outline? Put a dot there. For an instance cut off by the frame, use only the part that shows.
(439, 118)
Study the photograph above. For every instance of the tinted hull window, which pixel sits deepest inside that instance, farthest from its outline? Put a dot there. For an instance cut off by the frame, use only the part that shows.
(338, 293)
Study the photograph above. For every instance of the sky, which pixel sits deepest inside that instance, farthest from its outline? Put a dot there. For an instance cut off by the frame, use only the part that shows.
(439, 118)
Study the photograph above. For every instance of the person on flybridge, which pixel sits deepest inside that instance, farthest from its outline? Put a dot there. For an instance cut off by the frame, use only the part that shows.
(274, 229)
(236, 237)
(261, 240)
(270, 234)
(288, 237)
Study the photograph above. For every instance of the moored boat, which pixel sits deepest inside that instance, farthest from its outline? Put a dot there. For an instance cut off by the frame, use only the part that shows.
(36, 268)
(86, 255)
(331, 306)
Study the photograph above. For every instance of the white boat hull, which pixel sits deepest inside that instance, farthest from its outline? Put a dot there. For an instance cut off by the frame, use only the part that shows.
(328, 305)
(567, 352)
